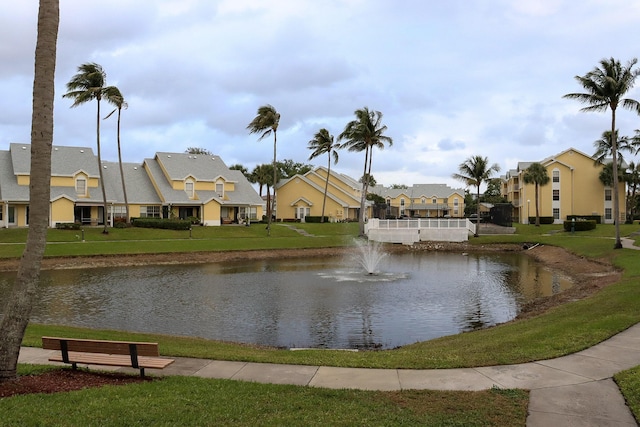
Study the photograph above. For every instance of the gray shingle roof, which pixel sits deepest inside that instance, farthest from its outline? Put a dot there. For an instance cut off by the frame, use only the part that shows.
(65, 161)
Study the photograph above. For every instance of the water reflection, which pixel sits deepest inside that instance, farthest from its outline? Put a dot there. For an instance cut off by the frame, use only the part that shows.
(300, 303)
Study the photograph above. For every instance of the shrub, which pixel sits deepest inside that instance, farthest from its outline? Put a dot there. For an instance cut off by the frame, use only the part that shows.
(580, 225)
(596, 218)
(68, 226)
(543, 220)
(168, 224)
(310, 218)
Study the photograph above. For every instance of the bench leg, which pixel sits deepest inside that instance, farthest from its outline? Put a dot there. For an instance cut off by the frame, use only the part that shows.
(142, 372)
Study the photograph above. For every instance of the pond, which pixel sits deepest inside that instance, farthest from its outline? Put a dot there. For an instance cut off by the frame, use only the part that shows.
(313, 302)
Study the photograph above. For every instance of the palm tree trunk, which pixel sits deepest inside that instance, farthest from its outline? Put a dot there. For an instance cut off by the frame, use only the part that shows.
(18, 304)
(616, 203)
(102, 186)
(275, 176)
(124, 187)
(537, 207)
(477, 212)
(364, 193)
(326, 187)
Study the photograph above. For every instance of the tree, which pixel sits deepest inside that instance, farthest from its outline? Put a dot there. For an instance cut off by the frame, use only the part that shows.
(493, 193)
(605, 88)
(398, 187)
(288, 168)
(18, 304)
(363, 134)
(537, 175)
(261, 175)
(474, 171)
(114, 96)
(89, 84)
(241, 168)
(265, 122)
(604, 147)
(198, 150)
(323, 143)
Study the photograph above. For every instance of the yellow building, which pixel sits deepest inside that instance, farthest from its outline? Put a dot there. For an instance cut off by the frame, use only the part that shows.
(302, 195)
(574, 188)
(423, 201)
(170, 185)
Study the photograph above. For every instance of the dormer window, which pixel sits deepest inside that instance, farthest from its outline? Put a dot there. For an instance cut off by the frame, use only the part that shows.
(188, 188)
(81, 186)
(220, 189)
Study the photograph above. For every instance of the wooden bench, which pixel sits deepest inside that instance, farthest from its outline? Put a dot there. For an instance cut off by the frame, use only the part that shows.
(138, 355)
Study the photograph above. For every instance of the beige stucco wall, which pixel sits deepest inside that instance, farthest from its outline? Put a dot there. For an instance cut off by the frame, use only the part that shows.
(61, 211)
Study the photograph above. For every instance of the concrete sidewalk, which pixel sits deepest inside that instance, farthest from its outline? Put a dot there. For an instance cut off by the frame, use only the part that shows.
(574, 390)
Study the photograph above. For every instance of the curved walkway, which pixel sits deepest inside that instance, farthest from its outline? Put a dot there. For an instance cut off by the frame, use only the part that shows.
(573, 390)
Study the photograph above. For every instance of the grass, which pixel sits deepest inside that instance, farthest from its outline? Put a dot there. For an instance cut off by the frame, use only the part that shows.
(563, 330)
(188, 401)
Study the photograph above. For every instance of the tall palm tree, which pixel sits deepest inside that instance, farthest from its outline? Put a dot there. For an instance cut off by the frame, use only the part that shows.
(265, 122)
(19, 301)
(89, 84)
(537, 175)
(363, 134)
(114, 96)
(474, 171)
(605, 87)
(323, 143)
(604, 149)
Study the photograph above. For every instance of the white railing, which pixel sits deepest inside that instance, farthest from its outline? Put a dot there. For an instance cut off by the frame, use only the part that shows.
(422, 223)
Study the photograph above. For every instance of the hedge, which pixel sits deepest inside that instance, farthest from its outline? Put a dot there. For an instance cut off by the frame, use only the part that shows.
(309, 218)
(169, 224)
(580, 225)
(596, 218)
(543, 220)
(68, 226)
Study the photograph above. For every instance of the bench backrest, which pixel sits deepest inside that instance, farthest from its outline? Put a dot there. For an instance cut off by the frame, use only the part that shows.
(101, 346)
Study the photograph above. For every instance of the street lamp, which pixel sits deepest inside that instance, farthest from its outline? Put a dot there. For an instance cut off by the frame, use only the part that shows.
(528, 216)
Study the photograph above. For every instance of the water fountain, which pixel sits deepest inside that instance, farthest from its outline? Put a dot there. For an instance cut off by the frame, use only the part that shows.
(369, 255)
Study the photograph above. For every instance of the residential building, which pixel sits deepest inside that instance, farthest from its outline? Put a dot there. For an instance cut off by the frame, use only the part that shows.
(302, 195)
(169, 185)
(574, 188)
(423, 200)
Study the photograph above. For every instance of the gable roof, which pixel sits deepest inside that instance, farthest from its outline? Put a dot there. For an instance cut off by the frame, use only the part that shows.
(65, 161)
(201, 167)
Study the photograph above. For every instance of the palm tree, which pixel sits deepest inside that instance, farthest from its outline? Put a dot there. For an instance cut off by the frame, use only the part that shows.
(113, 96)
(604, 149)
(198, 150)
(474, 171)
(363, 134)
(605, 88)
(19, 301)
(87, 85)
(266, 121)
(536, 174)
(323, 143)
(261, 175)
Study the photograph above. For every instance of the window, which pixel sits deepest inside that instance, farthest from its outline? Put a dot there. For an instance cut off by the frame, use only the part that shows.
(149, 211)
(220, 188)
(607, 213)
(556, 194)
(455, 206)
(251, 210)
(119, 212)
(434, 200)
(556, 213)
(423, 201)
(556, 176)
(607, 194)
(388, 202)
(188, 188)
(401, 206)
(81, 186)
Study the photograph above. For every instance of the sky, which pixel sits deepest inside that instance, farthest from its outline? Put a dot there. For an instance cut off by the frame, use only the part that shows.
(453, 79)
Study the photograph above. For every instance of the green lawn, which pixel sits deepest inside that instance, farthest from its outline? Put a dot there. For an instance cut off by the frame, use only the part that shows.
(563, 330)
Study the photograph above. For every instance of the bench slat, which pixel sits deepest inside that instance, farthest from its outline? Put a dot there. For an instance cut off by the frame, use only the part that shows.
(101, 346)
(112, 360)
